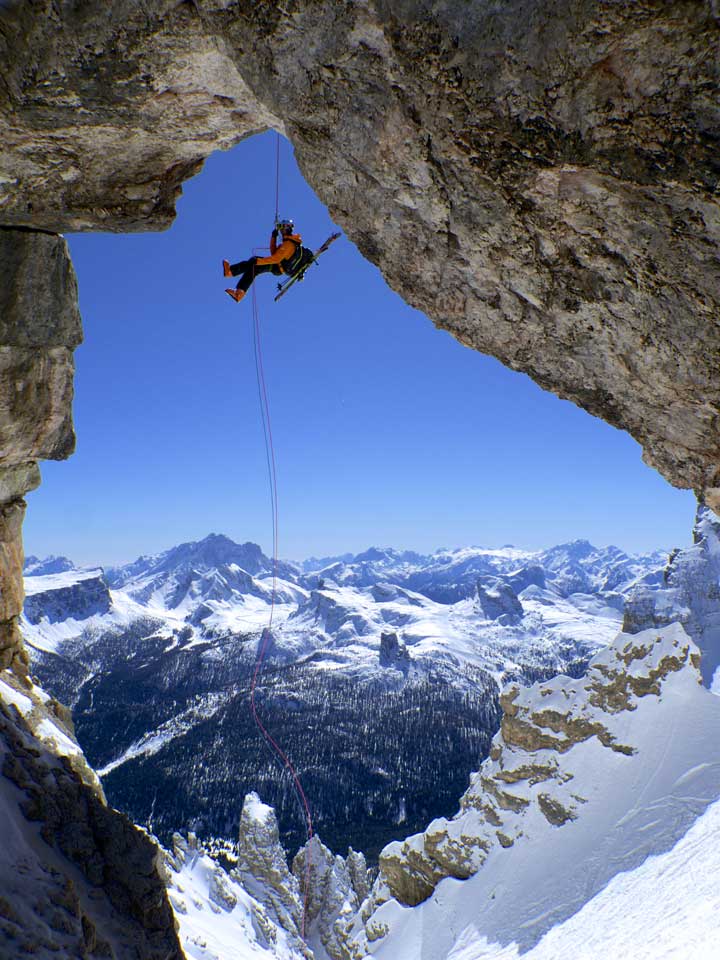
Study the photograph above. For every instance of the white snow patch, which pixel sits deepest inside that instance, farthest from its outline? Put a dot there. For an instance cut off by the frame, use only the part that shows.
(11, 695)
(218, 919)
(58, 581)
(666, 909)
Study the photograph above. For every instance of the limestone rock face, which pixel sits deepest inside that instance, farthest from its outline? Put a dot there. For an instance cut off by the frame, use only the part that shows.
(39, 329)
(261, 866)
(556, 167)
(530, 779)
(79, 879)
(335, 889)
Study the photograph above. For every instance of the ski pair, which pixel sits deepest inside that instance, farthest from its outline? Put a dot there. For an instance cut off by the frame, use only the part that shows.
(284, 287)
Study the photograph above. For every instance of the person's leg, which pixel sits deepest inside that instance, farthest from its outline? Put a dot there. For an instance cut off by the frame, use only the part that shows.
(251, 271)
(238, 268)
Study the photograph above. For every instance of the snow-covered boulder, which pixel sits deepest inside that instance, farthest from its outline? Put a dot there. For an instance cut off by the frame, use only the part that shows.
(585, 778)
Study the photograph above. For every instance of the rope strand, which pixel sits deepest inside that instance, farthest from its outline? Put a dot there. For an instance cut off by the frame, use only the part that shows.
(277, 177)
(275, 747)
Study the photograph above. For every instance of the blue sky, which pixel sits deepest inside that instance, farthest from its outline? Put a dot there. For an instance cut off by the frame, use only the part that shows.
(387, 431)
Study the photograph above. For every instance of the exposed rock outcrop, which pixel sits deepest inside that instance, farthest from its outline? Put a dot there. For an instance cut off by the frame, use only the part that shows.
(557, 167)
(539, 726)
(262, 869)
(335, 889)
(622, 760)
(498, 601)
(79, 879)
(393, 653)
(690, 594)
(39, 329)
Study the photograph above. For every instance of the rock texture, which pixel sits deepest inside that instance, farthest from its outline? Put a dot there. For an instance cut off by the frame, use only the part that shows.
(39, 329)
(262, 868)
(555, 165)
(335, 889)
(526, 767)
(585, 779)
(79, 880)
(689, 594)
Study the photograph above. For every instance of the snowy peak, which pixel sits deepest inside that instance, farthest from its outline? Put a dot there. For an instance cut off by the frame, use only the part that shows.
(35, 567)
(216, 551)
(213, 569)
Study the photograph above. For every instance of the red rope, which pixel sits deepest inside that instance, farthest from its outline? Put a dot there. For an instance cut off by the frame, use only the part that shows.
(267, 633)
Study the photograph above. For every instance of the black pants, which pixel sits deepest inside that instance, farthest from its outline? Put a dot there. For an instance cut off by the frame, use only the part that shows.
(249, 269)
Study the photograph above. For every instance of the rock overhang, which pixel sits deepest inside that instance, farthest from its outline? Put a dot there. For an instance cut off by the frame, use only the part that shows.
(556, 170)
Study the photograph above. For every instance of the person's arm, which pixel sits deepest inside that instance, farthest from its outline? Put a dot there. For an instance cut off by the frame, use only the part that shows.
(285, 250)
(273, 241)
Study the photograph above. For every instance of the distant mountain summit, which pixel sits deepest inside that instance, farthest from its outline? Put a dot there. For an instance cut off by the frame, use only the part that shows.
(216, 551)
(403, 651)
(34, 567)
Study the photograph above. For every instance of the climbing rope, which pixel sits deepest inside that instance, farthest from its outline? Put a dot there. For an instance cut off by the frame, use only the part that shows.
(266, 638)
(277, 177)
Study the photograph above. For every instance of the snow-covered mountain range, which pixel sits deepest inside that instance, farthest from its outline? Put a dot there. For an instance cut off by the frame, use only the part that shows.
(590, 829)
(401, 653)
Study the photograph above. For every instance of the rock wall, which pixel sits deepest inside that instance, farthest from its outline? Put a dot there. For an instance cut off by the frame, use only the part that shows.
(689, 594)
(39, 329)
(554, 167)
(78, 879)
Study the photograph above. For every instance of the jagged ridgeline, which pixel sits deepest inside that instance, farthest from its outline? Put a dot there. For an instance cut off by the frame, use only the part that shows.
(381, 681)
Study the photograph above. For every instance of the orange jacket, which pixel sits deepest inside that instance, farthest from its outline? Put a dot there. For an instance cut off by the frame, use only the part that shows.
(278, 254)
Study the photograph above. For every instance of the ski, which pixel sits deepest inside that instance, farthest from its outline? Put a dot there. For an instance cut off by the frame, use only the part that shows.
(284, 287)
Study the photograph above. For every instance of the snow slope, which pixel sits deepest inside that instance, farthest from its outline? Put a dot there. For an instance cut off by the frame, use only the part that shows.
(572, 817)
(666, 909)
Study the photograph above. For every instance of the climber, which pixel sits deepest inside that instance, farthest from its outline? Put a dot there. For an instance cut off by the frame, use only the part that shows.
(288, 258)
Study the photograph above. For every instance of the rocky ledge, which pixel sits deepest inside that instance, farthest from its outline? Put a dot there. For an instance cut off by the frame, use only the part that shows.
(596, 759)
